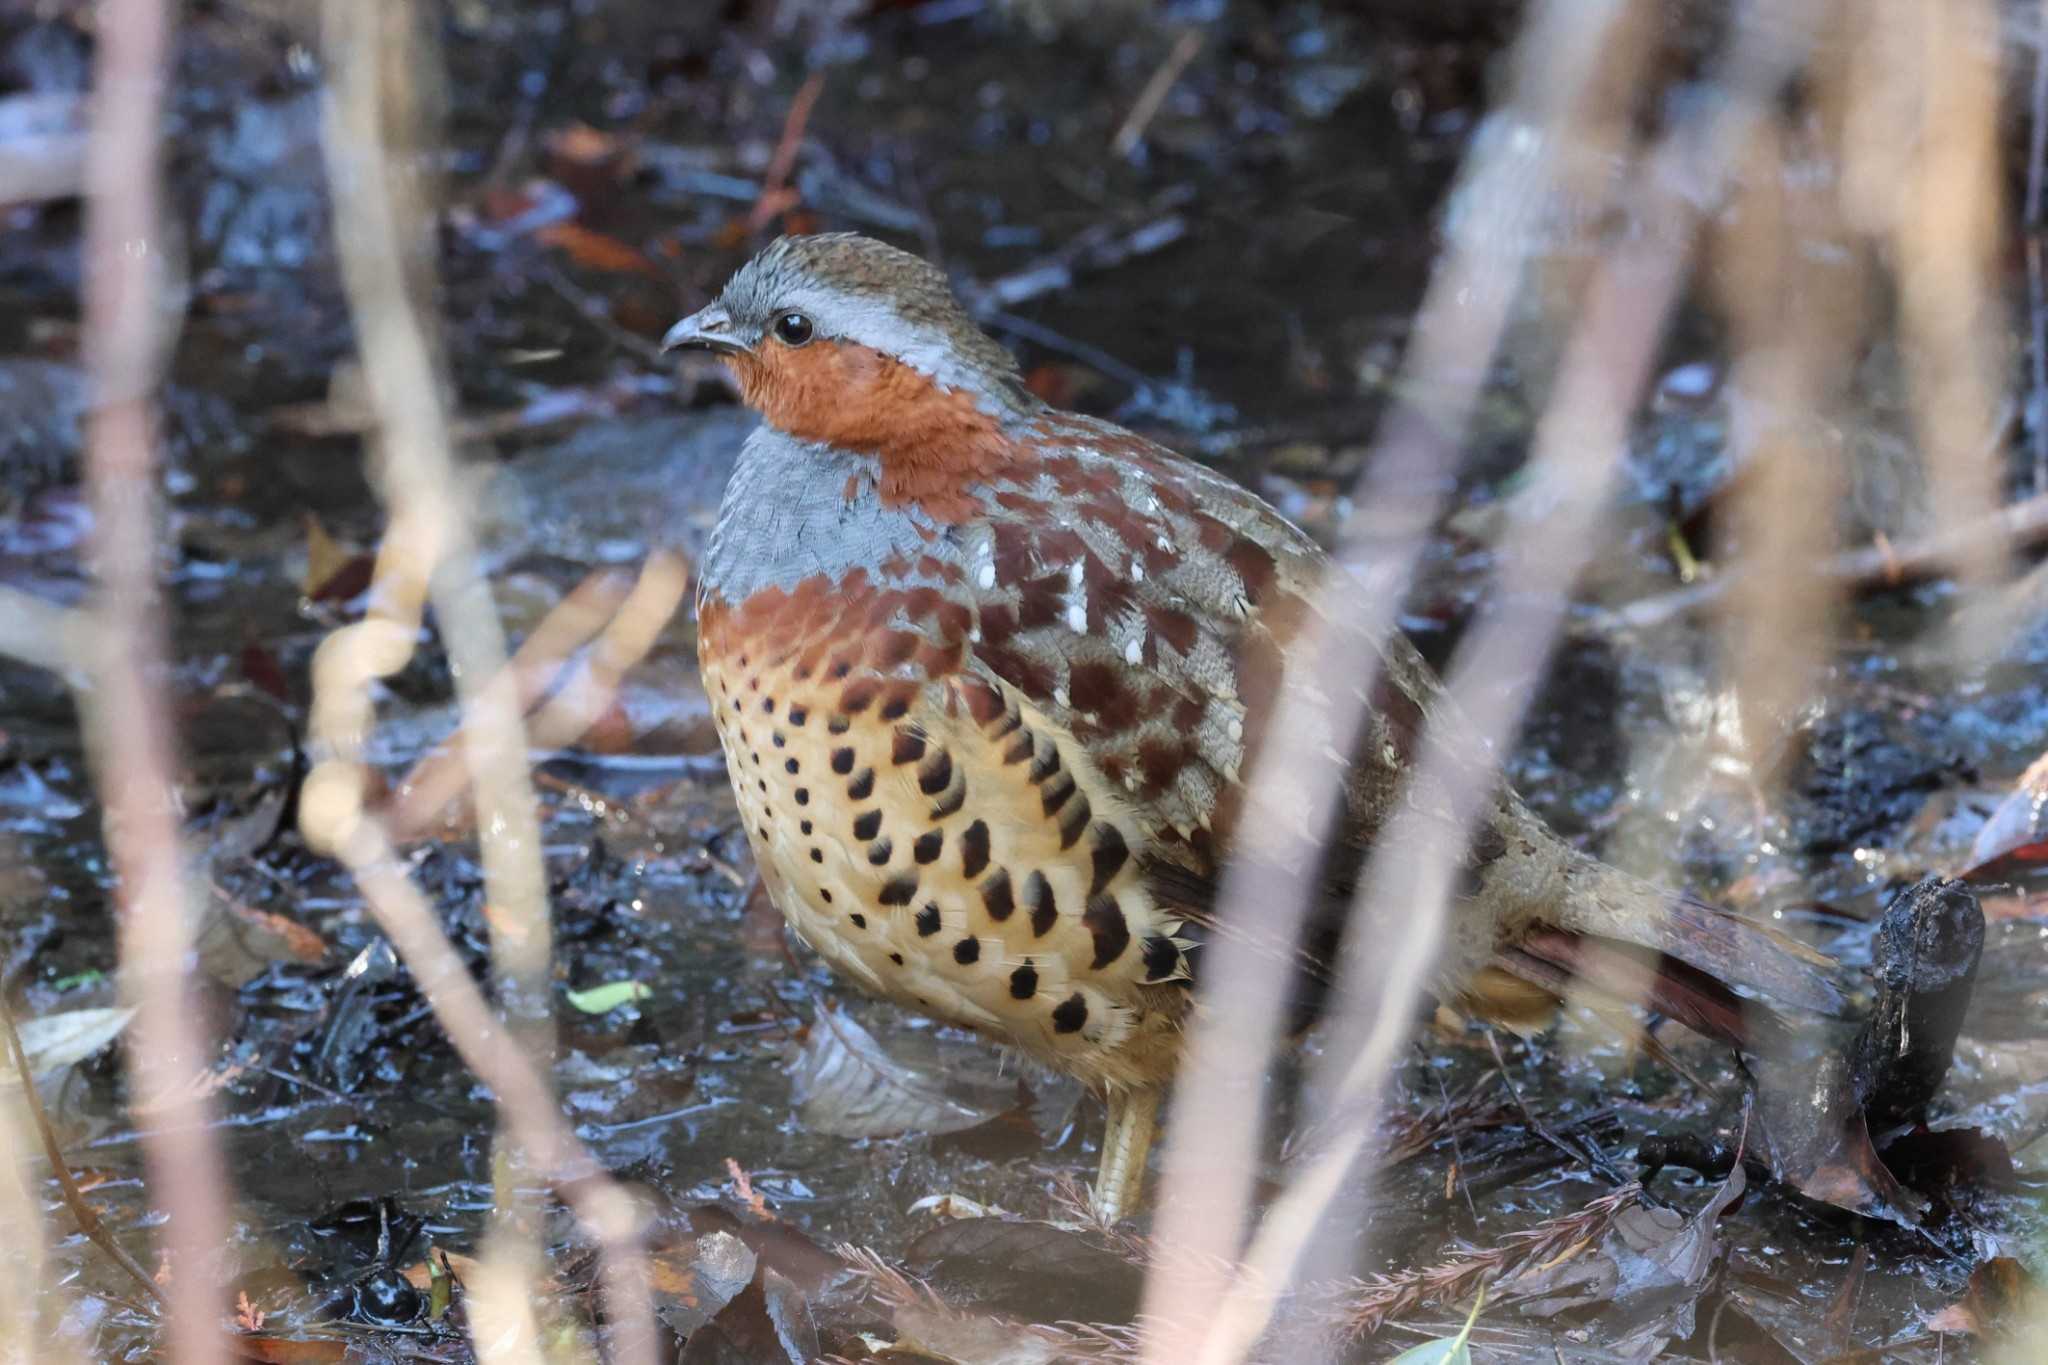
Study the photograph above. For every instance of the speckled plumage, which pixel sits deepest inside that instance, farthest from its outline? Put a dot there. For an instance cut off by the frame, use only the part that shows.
(990, 678)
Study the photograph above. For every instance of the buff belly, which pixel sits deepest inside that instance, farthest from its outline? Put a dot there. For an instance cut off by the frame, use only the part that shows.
(946, 855)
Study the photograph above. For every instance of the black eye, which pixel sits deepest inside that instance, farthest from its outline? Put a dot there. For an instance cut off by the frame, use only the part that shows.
(793, 329)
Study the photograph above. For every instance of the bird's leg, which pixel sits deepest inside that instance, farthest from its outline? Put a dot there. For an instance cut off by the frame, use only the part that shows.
(1126, 1141)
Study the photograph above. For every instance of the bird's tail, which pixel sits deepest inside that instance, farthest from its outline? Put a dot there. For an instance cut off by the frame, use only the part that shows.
(1605, 903)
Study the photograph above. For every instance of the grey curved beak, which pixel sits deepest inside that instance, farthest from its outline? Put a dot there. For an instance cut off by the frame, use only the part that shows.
(709, 328)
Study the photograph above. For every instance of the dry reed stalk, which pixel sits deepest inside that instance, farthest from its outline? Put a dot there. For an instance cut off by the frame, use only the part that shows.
(127, 725)
(375, 104)
(1921, 174)
(1791, 324)
(1407, 885)
(1212, 1147)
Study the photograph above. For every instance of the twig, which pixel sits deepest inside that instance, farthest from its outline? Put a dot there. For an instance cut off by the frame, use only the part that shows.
(128, 730)
(1602, 1168)
(74, 1199)
(1155, 92)
(1099, 247)
(776, 196)
(1883, 565)
(594, 310)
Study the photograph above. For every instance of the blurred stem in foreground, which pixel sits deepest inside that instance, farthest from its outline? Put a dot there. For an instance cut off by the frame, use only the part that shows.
(127, 725)
(383, 80)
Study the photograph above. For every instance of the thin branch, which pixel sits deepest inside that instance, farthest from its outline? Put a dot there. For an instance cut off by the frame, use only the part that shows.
(84, 1214)
(2018, 525)
(1146, 107)
(127, 727)
(776, 197)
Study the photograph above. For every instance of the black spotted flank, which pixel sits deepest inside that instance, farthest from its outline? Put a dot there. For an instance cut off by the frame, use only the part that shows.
(928, 846)
(1047, 763)
(879, 851)
(803, 796)
(1038, 897)
(1073, 820)
(1108, 857)
(935, 773)
(842, 760)
(927, 921)
(863, 785)
(954, 798)
(973, 849)
(817, 855)
(967, 951)
(838, 725)
(898, 890)
(1105, 921)
(789, 765)
(895, 708)
(1070, 1014)
(996, 897)
(1161, 958)
(798, 715)
(867, 824)
(1024, 982)
(860, 921)
(896, 958)
(907, 746)
(1055, 793)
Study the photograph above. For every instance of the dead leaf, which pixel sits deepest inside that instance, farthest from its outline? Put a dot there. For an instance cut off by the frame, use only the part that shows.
(56, 1041)
(1998, 1287)
(420, 1274)
(582, 144)
(335, 570)
(1016, 1268)
(236, 943)
(2018, 829)
(596, 251)
(693, 1282)
(847, 1085)
(1648, 1272)
(768, 1321)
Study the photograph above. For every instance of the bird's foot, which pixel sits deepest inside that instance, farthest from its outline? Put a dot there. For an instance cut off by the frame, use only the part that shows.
(1126, 1142)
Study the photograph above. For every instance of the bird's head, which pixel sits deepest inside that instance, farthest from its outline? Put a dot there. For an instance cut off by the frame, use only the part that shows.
(851, 342)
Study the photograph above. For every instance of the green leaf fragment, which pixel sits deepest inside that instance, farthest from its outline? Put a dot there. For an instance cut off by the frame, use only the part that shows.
(608, 997)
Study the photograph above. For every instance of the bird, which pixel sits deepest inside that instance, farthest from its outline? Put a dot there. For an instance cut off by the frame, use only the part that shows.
(990, 678)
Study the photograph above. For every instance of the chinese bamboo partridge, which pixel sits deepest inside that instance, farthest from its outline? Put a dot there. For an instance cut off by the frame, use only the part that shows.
(989, 677)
